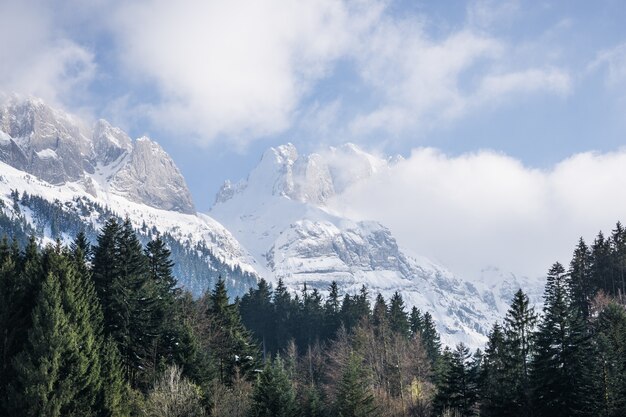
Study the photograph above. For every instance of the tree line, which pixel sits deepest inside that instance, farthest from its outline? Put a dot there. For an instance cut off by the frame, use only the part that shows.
(107, 331)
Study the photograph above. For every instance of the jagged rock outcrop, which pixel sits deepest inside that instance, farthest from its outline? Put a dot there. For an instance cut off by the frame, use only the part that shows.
(150, 176)
(58, 148)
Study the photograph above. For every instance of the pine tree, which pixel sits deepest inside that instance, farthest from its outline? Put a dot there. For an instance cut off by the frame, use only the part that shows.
(256, 313)
(231, 342)
(601, 264)
(164, 308)
(519, 328)
(431, 339)
(398, 319)
(416, 321)
(113, 400)
(610, 328)
(78, 302)
(461, 387)
(581, 283)
(42, 387)
(354, 393)
(560, 366)
(282, 315)
(274, 395)
(332, 312)
(496, 384)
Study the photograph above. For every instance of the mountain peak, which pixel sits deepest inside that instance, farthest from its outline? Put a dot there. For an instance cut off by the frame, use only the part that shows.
(58, 148)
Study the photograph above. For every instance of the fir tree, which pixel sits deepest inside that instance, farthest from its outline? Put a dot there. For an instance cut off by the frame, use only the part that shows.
(231, 342)
(610, 337)
(354, 393)
(497, 387)
(519, 328)
(113, 400)
(581, 283)
(416, 321)
(398, 319)
(332, 311)
(560, 367)
(431, 339)
(274, 395)
(42, 386)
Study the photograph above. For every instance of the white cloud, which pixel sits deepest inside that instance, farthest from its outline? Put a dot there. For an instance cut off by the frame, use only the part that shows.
(237, 68)
(613, 62)
(37, 58)
(487, 209)
(423, 82)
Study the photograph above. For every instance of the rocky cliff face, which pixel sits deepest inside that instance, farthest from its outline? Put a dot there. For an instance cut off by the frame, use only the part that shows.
(150, 176)
(59, 148)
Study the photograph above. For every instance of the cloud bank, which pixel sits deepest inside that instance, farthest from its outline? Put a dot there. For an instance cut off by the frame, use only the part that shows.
(244, 70)
(487, 209)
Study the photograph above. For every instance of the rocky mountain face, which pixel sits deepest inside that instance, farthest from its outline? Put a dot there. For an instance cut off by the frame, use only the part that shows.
(60, 149)
(280, 214)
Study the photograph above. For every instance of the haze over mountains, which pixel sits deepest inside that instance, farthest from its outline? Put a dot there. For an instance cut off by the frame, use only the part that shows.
(276, 224)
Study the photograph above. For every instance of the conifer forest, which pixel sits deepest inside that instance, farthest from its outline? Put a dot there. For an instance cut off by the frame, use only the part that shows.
(104, 330)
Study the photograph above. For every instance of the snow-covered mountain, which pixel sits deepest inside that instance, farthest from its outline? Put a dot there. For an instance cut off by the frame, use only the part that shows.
(90, 174)
(58, 176)
(279, 214)
(59, 148)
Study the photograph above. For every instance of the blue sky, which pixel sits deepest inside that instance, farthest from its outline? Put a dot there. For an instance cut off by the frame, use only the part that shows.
(216, 83)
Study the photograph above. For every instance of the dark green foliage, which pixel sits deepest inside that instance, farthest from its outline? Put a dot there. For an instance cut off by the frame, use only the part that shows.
(231, 342)
(563, 351)
(354, 393)
(416, 321)
(496, 384)
(58, 371)
(458, 385)
(610, 329)
(431, 339)
(580, 272)
(519, 326)
(257, 314)
(274, 395)
(113, 400)
(398, 318)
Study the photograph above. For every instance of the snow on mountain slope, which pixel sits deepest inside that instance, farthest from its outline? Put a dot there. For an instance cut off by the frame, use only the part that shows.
(187, 228)
(59, 148)
(279, 214)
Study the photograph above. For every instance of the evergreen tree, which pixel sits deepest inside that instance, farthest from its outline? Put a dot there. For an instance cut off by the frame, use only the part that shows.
(79, 303)
(283, 315)
(42, 386)
(416, 321)
(354, 393)
(113, 400)
(380, 317)
(332, 312)
(519, 328)
(257, 315)
(560, 367)
(461, 387)
(581, 283)
(601, 264)
(497, 387)
(398, 319)
(431, 339)
(610, 337)
(274, 395)
(231, 342)
(618, 257)
(165, 313)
